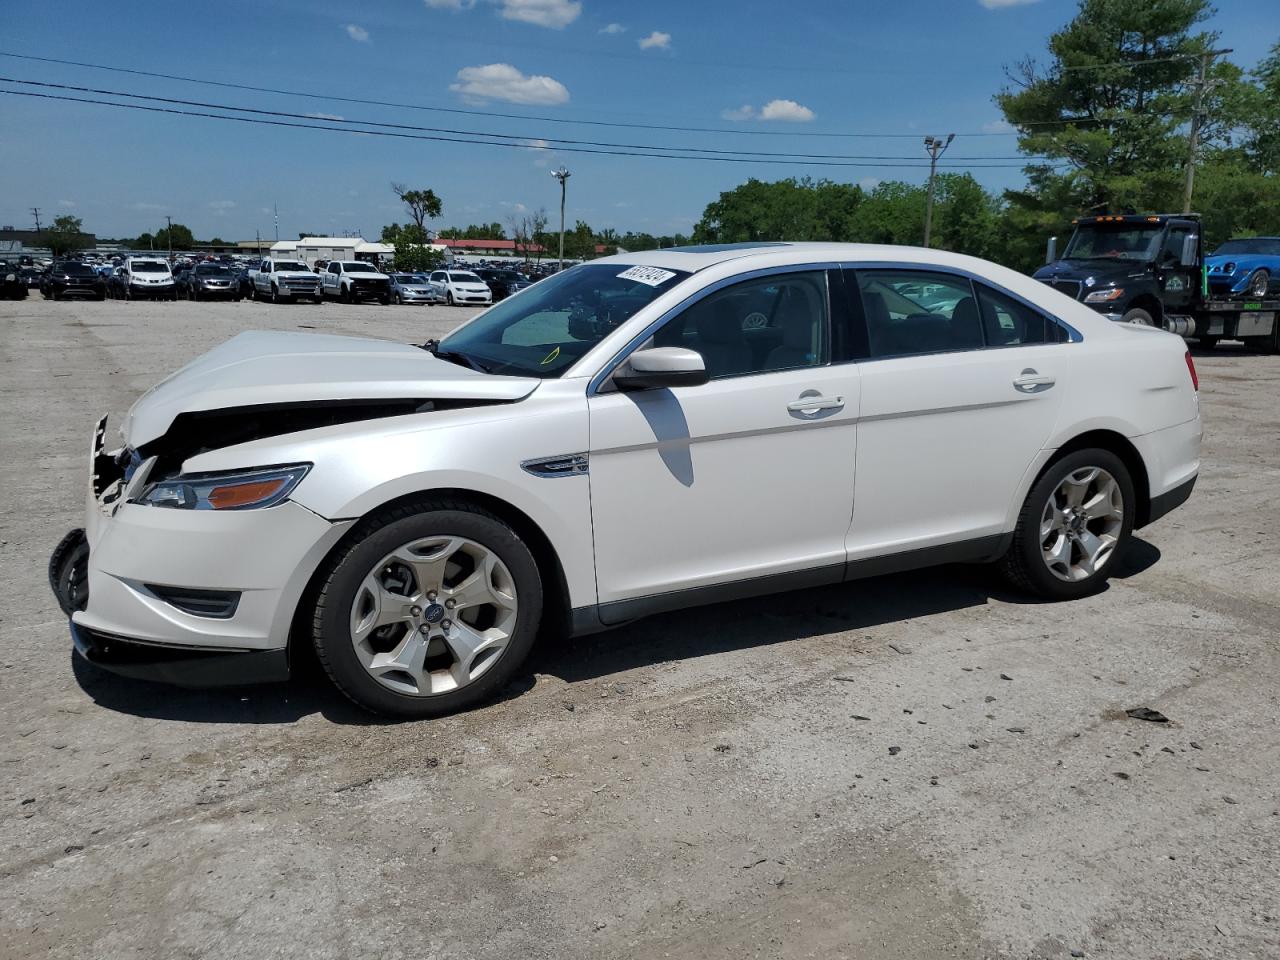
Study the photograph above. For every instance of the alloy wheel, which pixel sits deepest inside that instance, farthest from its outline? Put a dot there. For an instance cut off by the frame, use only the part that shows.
(1259, 283)
(1081, 524)
(433, 615)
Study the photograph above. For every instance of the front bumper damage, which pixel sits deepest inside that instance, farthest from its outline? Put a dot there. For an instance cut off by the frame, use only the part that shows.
(192, 597)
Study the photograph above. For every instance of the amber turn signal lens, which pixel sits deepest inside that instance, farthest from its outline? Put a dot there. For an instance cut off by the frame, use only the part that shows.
(244, 494)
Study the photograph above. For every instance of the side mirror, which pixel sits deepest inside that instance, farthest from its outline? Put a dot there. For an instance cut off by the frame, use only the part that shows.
(1190, 250)
(660, 367)
(1051, 250)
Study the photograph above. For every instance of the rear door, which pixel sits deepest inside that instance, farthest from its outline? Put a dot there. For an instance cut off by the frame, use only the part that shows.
(961, 390)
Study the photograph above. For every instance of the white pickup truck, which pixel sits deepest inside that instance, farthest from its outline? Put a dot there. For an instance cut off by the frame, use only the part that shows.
(283, 281)
(354, 280)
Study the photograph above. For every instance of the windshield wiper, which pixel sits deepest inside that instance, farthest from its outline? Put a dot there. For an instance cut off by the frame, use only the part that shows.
(453, 356)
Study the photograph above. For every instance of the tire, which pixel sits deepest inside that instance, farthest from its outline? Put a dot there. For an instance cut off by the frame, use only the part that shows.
(1139, 316)
(69, 572)
(1208, 343)
(368, 553)
(1258, 285)
(100, 296)
(385, 300)
(448, 298)
(343, 296)
(1026, 566)
(399, 300)
(275, 294)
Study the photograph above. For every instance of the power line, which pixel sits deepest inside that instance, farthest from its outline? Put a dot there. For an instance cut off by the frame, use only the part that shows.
(333, 98)
(492, 143)
(529, 139)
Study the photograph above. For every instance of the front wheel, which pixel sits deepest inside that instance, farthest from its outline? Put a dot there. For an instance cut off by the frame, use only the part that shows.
(1139, 316)
(430, 609)
(448, 298)
(1077, 518)
(1259, 284)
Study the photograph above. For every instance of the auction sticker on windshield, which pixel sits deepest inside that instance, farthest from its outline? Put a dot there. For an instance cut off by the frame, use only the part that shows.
(650, 276)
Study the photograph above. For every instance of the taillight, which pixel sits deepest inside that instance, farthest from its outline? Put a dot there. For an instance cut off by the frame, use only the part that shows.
(1191, 369)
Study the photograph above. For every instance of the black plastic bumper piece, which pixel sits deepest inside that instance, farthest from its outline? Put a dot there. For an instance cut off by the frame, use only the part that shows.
(1167, 502)
(180, 666)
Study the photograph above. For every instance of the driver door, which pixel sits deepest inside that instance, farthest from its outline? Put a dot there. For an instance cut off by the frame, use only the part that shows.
(738, 486)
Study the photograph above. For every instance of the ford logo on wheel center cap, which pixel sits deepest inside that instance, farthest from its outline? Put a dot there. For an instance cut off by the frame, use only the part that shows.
(433, 613)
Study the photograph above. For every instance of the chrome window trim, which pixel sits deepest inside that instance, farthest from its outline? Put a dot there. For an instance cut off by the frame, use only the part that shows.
(606, 370)
(1074, 335)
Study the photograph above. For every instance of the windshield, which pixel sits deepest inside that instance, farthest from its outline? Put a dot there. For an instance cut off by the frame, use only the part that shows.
(1265, 245)
(212, 271)
(148, 266)
(544, 331)
(78, 270)
(291, 265)
(358, 268)
(462, 276)
(1119, 241)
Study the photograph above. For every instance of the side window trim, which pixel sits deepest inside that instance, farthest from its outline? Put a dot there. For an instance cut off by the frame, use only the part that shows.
(593, 387)
(1073, 335)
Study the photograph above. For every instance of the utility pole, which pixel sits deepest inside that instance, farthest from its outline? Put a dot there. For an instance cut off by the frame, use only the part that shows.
(1193, 140)
(277, 213)
(562, 174)
(35, 212)
(936, 147)
(169, 220)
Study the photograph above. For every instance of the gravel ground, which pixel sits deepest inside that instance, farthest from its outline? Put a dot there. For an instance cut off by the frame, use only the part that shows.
(716, 783)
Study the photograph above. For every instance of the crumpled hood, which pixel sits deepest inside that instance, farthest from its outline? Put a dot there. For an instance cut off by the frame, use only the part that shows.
(261, 367)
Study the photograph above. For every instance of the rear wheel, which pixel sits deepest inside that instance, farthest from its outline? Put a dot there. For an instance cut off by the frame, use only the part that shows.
(432, 608)
(1076, 519)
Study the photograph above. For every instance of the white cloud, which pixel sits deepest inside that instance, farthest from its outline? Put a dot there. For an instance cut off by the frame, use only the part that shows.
(501, 81)
(869, 183)
(739, 114)
(454, 5)
(613, 29)
(1000, 4)
(537, 145)
(358, 34)
(66, 204)
(997, 126)
(327, 116)
(655, 41)
(221, 205)
(556, 14)
(786, 111)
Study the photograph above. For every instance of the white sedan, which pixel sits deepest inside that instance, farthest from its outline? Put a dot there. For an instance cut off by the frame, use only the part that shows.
(641, 433)
(462, 286)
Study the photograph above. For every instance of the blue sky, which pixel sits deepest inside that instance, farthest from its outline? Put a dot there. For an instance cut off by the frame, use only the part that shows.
(809, 67)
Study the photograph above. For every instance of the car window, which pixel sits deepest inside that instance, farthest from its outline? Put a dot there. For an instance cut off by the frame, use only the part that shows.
(1008, 322)
(757, 326)
(543, 331)
(1171, 251)
(915, 311)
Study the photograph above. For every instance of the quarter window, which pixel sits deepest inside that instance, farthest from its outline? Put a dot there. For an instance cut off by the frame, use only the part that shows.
(757, 326)
(914, 311)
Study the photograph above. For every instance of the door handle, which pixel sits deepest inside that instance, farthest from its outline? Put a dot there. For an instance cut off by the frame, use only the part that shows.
(1029, 381)
(811, 405)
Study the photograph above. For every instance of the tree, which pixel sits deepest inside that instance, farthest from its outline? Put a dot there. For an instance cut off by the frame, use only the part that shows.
(394, 233)
(65, 236)
(580, 242)
(784, 210)
(423, 205)
(144, 242)
(414, 257)
(218, 242)
(182, 238)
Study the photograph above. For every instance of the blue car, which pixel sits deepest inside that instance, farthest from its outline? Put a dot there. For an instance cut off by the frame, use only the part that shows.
(1248, 267)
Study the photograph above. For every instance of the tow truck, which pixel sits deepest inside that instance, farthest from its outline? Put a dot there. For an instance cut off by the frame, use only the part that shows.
(1150, 269)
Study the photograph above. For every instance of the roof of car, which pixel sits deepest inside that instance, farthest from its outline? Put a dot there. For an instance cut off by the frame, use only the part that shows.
(695, 258)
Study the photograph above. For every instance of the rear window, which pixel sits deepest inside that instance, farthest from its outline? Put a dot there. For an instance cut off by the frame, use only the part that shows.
(291, 265)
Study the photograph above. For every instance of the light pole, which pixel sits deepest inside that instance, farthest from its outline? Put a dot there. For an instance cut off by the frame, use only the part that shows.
(562, 174)
(936, 147)
(169, 220)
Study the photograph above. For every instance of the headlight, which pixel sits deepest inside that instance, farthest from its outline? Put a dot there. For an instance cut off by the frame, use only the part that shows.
(1105, 296)
(1228, 268)
(241, 490)
(11, 277)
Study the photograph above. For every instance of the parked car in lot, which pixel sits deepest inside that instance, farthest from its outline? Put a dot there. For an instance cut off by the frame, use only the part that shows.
(284, 281)
(502, 283)
(210, 281)
(641, 433)
(352, 281)
(462, 286)
(13, 286)
(147, 278)
(1247, 267)
(415, 288)
(71, 278)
